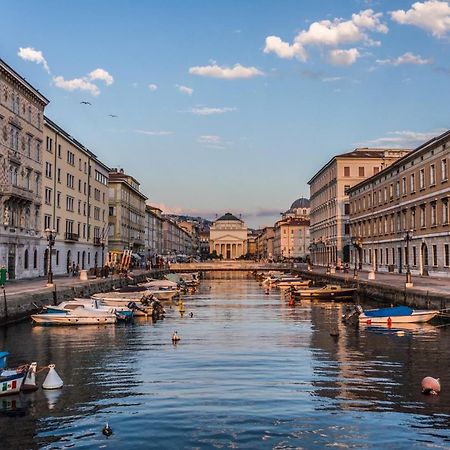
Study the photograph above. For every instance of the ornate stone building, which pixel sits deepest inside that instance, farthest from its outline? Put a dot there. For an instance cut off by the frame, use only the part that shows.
(228, 237)
(21, 136)
(400, 216)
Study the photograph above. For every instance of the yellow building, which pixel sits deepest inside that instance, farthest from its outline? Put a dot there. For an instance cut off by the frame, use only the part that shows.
(228, 237)
(21, 137)
(75, 201)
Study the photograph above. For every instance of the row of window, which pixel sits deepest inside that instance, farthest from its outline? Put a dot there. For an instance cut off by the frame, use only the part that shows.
(31, 148)
(361, 171)
(431, 214)
(400, 188)
(440, 256)
(18, 106)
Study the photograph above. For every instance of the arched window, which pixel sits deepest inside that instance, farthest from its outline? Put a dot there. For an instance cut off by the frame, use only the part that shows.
(35, 259)
(25, 259)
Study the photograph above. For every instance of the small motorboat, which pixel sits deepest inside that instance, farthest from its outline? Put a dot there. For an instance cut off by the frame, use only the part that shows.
(285, 283)
(11, 380)
(396, 314)
(328, 292)
(141, 305)
(77, 316)
(122, 312)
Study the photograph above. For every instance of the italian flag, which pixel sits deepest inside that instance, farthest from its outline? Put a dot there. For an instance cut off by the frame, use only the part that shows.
(6, 386)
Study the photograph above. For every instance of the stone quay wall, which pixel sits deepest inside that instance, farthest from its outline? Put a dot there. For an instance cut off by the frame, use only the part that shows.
(383, 293)
(20, 306)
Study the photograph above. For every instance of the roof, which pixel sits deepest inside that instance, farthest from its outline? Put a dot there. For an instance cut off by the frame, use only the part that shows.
(24, 82)
(360, 153)
(228, 216)
(405, 159)
(301, 202)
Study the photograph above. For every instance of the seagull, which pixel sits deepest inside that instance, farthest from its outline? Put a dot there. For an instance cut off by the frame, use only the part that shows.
(112, 115)
(86, 103)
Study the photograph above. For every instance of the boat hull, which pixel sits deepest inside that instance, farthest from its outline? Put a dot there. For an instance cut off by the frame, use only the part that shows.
(12, 382)
(415, 317)
(66, 319)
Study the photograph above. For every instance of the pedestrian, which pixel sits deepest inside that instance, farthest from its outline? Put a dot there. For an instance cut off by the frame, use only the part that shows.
(73, 269)
(77, 269)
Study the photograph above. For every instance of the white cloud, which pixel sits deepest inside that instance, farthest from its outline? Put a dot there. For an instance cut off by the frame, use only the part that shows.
(30, 54)
(184, 89)
(101, 74)
(209, 139)
(406, 58)
(343, 57)
(154, 133)
(402, 139)
(330, 33)
(207, 111)
(331, 79)
(432, 16)
(81, 84)
(152, 87)
(225, 72)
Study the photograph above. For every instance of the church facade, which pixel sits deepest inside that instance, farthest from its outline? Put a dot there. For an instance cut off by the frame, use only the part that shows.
(228, 237)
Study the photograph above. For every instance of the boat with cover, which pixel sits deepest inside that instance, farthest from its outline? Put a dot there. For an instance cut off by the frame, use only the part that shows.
(77, 316)
(396, 314)
(122, 312)
(285, 283)
(11, 380)
(328, 292)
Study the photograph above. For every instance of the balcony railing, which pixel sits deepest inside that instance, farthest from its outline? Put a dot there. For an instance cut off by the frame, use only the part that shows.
(97, 240)
(71, 237)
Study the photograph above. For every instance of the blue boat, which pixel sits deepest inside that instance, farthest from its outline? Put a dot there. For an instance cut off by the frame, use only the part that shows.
(11, 380)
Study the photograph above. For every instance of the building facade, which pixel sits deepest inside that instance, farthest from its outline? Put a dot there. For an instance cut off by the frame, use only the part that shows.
(75, 202)
(21, 137)
(330, 230)
(400, 216)
(228, 237)
(126, 216)
(153, 231)
(265, 243)
(176, 240)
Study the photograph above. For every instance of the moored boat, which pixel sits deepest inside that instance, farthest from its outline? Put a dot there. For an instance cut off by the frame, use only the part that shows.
(11, 380)
(78, 316)
(396, 314)
(328, 292)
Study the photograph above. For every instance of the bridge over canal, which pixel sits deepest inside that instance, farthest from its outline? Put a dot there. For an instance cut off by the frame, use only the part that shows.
(212, 266)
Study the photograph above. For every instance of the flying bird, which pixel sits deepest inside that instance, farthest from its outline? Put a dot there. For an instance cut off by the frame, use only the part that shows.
(86, 103)
(112, 115)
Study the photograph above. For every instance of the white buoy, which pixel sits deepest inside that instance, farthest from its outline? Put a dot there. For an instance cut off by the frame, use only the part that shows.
(29, 384)
(52, 380)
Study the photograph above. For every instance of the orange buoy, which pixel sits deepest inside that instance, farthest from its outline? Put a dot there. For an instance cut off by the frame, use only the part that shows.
(431, 386)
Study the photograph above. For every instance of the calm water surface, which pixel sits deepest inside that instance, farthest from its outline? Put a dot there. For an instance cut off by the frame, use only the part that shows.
(249, 372)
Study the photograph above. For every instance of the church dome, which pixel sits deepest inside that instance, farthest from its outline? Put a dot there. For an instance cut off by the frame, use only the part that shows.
(300, 203)
(229, 216)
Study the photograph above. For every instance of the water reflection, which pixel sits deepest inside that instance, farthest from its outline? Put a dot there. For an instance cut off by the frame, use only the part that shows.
(250, 371)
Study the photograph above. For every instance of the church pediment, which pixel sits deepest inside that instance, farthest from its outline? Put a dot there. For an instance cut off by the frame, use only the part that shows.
(228, 238)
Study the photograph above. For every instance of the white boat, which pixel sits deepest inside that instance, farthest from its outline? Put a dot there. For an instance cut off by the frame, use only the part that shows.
(397, 314)
(122, 312)
(11, 380)
(295, 282)
(141, 306)
(164, 294)
(78, 316)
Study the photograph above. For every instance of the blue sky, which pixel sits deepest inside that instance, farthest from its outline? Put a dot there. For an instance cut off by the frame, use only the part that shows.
(234, 105)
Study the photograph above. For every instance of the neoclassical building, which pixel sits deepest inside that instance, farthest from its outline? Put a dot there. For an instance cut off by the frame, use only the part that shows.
(400, 218)
(228, 237)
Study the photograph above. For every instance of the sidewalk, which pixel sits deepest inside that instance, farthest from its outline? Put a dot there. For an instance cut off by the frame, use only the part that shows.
(437, 285)
(15, 287)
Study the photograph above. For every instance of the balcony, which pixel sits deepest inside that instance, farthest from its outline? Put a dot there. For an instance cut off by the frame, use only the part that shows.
(71, 237)
(97, 240)
(17, 193)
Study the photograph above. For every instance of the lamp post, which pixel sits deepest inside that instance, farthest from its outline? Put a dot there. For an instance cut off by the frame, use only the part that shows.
(327, 251)
(51, 234)
(408, 239)
(356, 243)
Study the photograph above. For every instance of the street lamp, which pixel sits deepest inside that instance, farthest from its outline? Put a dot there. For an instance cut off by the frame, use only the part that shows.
(408, 239)
(51, 234)
(357, 244)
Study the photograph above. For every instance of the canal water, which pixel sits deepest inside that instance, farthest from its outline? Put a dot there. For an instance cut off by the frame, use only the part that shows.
(250, 372)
